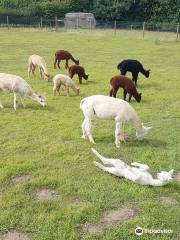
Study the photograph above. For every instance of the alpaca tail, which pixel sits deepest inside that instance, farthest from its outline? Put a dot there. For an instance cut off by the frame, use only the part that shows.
(99, 166)
(119, 66)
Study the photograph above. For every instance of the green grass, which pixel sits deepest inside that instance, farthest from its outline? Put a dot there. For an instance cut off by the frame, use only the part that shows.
(46, 142)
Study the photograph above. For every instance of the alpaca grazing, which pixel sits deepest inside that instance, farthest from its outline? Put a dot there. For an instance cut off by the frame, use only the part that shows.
(137, 172)
(36, 61)
(104, 107)
(64, 55)
(66, 81)
(121, 81)
(79, 70)
(134, 67)
(19, 87)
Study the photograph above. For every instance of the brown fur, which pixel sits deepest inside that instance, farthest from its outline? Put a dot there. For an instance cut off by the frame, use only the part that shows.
(121, 81)
(79, 70)
(64, 55)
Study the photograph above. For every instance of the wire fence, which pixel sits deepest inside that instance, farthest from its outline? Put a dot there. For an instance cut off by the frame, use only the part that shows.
(61, 24)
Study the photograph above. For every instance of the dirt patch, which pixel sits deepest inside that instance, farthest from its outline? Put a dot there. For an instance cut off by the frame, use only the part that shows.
(46, 194)
(168, 200)
(177, 176)
(15, 236)
(21, 179)
(121, 214)
(110, 218)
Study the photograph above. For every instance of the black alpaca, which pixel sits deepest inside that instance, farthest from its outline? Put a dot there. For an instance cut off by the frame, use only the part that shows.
(134, 67)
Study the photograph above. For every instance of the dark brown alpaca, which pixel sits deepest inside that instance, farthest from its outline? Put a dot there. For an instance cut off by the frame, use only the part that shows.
(64, 55)
(121, 81)
(76, 69)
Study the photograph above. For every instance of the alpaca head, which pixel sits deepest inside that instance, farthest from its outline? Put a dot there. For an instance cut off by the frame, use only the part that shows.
(164, 176)
(77, 62)
(147, 73)
(41, 100)
(86, 77)
(142, 132)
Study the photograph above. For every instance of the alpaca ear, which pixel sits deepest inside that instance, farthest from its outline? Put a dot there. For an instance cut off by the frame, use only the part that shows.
(149, 70)
(171, 171)
(140, 94)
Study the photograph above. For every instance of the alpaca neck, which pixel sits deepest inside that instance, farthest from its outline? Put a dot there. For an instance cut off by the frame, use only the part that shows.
(143, 71)
(157, 182)
(74, 60)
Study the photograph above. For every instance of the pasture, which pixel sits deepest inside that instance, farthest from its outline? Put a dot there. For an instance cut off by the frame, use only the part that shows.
(46, 143)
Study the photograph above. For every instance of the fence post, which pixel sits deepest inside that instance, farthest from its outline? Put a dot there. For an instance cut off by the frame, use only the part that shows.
(143, 29)
(7, 20)
(177, 32)
(41, 24)
(131, 27)
(90, 24)
(115, 27)
(55, 23)
(77, 22)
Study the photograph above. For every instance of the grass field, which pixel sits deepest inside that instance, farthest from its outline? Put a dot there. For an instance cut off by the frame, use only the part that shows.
(46, 142)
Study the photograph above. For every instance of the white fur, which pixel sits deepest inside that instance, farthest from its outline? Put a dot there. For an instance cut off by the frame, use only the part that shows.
(19, 87)
(66, 81)
(104, 107)
(36, 61)
(137, 172)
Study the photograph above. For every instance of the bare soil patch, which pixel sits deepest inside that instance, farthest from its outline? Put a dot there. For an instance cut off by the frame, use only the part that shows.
(110, 218)
(21, 179)
(46, 194)
(15, 236)
(177, 176)
(168, 200)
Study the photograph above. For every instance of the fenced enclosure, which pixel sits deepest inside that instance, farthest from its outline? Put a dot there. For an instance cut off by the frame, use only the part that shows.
(56, 24)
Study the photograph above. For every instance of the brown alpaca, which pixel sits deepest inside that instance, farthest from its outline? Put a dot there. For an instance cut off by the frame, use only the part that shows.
(64, 55)
(76, 69)
(121, 81)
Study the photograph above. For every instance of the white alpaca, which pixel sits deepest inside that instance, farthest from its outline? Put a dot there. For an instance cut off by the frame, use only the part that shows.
(36, 61)
(19, 87)
(137, 172)
(104, 107)
(66, 81)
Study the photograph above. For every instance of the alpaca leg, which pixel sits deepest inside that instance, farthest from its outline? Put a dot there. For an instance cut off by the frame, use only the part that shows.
(83, 129)
(80, 79)
(66, 66)
(130, 96)
(29, 70)
(67, 90)
(111, 170)
(115, 92)
(22, 100)
(111, 92)
(135, 77)
(110, 161)
(33, 70)
(55, 61)
(119, 135)
(58, 64)
(15, 99)
(88, 130)
(123, 72)
(125, 93)
(1, 106)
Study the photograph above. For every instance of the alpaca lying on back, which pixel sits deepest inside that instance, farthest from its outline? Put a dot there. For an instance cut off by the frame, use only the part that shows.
(121, 81)
(137, 172)
(36, 61)
(64, 55)
(104, 107)
(134, 67)
(66, 81)
(79, 70)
